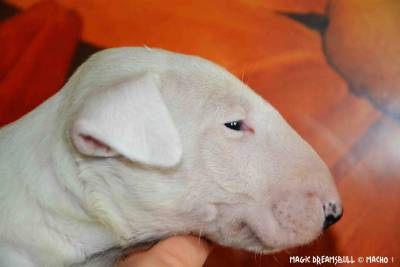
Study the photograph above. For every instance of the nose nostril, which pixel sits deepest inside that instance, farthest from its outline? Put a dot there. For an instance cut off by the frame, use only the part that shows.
(329, 220)
(332, 215)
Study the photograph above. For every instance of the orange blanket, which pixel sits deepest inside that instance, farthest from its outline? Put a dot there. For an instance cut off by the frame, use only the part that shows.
(36, 48)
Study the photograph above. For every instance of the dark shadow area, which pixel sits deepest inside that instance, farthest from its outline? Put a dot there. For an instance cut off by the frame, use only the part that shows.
(313, 21)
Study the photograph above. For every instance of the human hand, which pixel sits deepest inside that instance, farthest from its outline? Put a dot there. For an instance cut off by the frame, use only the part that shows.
(177, 251)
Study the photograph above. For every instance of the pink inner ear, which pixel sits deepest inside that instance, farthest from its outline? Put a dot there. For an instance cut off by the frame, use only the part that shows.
(94, 142)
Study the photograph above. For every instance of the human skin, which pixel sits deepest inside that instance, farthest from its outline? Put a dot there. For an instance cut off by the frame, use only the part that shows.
(177, 251)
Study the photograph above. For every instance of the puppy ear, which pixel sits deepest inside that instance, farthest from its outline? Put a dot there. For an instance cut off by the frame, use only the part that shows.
(128, 119)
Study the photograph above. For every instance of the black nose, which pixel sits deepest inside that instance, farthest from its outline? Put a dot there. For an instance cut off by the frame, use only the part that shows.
(333, 213)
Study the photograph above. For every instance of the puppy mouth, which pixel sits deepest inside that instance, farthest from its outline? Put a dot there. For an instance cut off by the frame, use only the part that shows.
(252, 241)
(256, 241)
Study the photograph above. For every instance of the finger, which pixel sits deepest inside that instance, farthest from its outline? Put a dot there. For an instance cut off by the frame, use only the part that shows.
(178, 251)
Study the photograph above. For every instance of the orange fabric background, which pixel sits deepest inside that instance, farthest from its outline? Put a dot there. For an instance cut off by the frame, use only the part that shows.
(34, 57)
(281, 59)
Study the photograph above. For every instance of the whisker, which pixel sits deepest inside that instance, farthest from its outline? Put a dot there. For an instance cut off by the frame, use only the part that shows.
(276, 260)
(200, 234)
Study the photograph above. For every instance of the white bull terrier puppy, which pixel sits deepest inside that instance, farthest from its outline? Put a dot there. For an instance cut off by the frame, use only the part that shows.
(141, 144)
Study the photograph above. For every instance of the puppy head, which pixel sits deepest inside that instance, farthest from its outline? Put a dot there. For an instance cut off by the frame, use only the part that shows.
(167, 144)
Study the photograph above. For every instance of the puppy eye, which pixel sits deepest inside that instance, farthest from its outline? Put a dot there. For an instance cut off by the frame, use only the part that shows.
(234, 125)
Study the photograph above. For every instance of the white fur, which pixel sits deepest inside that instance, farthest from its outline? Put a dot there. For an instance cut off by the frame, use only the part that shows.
(140, 115)
(134, 147)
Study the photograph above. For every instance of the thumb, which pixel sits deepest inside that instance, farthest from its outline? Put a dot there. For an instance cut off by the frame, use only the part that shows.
(177, 251)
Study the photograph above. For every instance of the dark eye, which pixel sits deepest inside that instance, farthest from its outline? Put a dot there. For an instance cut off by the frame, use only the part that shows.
(234, 125)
